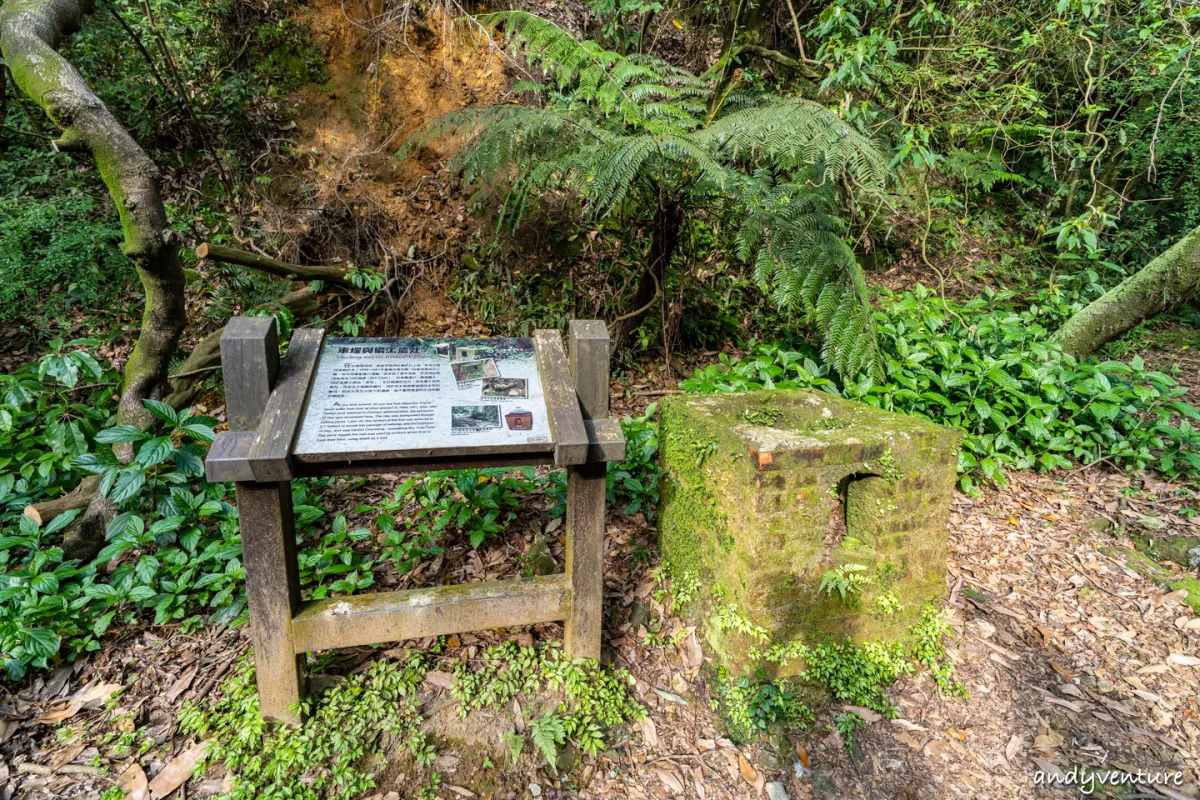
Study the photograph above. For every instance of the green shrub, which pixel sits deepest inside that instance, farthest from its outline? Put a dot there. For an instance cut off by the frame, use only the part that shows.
(56, 254)
(990, 369)
(50, 412)
(173, 549)
(596, 699)
(337, 750)
(749, 706)
(472, 503)
(633, 483)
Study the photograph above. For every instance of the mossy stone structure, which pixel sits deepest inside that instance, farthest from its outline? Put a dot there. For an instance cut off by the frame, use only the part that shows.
(765, 492)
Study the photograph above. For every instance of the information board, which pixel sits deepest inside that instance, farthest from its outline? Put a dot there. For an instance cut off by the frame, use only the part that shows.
(425, 397)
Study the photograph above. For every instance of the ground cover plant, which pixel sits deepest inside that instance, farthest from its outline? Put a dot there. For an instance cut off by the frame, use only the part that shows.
(337, 751)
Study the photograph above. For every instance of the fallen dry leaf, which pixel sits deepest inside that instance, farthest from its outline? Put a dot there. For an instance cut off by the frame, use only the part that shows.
(443, 680)
(908, 726)
(176, 772)
(692, 650)
(670, 780)
(1015, 745)
(1050, 768)
(910, 740)
(731, 758)
(133, 783)
(1067, 704)
(94, 694)
(649, 732)
(868, 716)
(748, 773)
(1184, 660)
(67, 755)
(1048, 740)
(181, 685)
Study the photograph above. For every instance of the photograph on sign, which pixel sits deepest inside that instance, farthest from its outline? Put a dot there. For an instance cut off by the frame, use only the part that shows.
(474, 418)
(398, 395)
(467, 371)
(504, 389)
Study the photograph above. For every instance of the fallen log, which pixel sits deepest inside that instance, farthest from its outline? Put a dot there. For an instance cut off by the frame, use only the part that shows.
(294, 272)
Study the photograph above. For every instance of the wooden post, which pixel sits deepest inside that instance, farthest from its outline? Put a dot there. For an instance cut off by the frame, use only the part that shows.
(250, 365)
(589, 356)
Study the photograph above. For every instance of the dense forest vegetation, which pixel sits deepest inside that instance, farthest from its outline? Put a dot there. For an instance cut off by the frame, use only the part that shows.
(984, 214)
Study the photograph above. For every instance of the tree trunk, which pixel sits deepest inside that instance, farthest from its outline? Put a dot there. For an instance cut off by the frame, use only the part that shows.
(667, 220)
(204, 359)
(29, 32)
(1168, 280)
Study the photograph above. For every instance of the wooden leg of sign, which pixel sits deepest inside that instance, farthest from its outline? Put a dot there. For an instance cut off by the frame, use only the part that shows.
(250, 364)
(585, 559)
(589, 345)
(273, 590)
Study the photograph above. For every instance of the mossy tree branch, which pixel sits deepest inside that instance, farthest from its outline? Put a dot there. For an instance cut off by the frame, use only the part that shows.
(30, 30)
(803, 68)
(1167, 281)
(272, 266)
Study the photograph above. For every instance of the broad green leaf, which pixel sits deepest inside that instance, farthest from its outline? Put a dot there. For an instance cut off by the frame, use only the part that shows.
(162, 410)
(129, 483)
(155, 451)
(39, 642)
(121, 433)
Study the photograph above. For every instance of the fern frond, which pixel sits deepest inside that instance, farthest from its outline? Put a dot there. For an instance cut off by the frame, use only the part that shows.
(620, 162)
(798, 133)
(801, 260)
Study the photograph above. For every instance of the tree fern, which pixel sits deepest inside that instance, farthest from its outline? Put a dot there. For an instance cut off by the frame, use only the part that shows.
(629, 136)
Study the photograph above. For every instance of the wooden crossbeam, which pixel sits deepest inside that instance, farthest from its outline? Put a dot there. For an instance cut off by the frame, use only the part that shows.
(271, 452)
(439, 611)
(566, 420)
(226, 459)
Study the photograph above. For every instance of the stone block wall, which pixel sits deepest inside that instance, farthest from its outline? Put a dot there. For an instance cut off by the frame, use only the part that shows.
(764, 493)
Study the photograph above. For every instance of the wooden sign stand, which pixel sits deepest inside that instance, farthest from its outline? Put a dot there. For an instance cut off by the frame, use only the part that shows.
(265, 403)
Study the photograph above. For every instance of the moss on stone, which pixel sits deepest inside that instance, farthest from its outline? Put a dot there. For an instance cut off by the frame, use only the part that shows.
(1147, 568)
(1191, 586)
(1138, 562)
(1182, 550)
(756, 518)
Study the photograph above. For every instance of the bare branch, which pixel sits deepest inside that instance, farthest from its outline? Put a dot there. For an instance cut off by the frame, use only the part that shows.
(295, 272)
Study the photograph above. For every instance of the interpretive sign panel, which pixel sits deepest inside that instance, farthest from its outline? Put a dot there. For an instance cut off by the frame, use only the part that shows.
(425, 397)
(378, 406)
